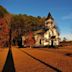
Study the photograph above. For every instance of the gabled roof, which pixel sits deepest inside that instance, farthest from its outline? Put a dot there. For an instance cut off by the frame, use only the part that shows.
(49, 16)
(37, 28)
(41, 31)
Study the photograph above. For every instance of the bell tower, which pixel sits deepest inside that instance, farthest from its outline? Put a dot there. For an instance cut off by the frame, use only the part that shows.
(49, 23)
(52, 35)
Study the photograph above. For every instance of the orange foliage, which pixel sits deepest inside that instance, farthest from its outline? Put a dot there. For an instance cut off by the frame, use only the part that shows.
(30, 41)
(4, 31)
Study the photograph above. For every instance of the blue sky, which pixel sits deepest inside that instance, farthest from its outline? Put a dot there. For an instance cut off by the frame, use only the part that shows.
(61, 10)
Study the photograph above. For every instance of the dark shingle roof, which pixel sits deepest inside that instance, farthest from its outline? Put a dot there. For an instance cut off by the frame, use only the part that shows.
(49, 16)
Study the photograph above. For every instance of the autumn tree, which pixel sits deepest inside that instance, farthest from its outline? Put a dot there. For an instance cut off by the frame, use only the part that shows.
(5, 18)
(20, 24)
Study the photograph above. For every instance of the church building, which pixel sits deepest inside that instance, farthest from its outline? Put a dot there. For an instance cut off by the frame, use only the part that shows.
(46, 36)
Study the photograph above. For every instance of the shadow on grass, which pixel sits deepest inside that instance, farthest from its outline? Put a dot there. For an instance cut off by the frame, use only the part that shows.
(56, 70)
(68, 54)
(9, 64)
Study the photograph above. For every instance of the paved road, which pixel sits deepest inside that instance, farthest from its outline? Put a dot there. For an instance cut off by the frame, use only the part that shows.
(37, 60)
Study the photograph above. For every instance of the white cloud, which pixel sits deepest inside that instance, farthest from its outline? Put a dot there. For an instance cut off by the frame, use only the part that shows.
(67, 17)
(67, 36)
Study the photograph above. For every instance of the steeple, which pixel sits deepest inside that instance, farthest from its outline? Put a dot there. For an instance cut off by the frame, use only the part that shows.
(49, 16)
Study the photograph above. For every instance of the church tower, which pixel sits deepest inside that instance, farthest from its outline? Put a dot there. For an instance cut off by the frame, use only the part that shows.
(52, 35)
(49, 23)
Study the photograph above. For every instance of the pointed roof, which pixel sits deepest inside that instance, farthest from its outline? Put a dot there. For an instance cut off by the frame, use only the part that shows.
(49, 16)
